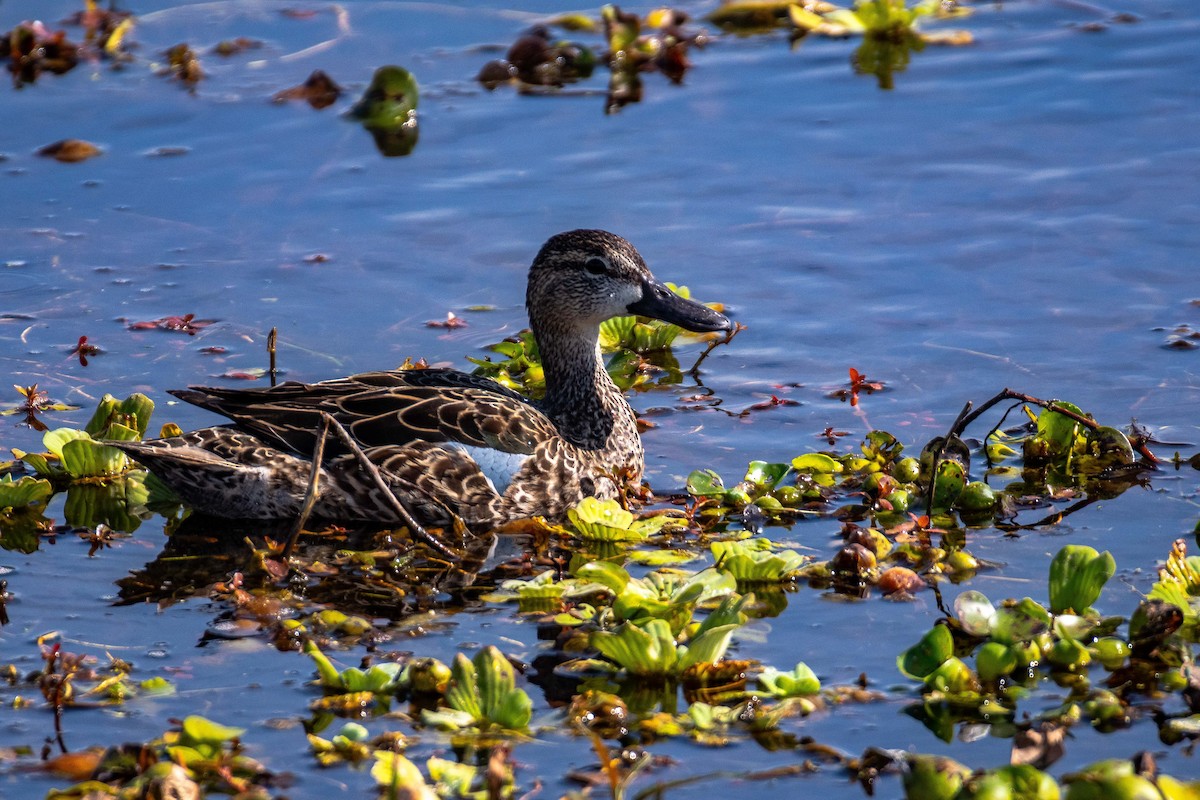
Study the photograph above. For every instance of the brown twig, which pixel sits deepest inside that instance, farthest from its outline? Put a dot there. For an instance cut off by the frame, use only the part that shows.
(1049, 405)
(271, 340)
(414, 527)
(1050, 519)
(713, 345)
(328, 422)
(310, 497)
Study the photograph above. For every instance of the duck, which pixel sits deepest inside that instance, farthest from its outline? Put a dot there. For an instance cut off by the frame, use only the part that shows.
(437, 446)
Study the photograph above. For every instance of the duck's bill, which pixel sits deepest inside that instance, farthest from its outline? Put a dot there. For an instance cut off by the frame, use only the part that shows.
(660, 302)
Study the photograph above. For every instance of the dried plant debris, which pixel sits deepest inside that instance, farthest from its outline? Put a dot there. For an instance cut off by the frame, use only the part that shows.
(631, 46)
(69, 151)
(187, 323)
(538, 60)
(184, 65)
(1181, 337)
(31, 49)
(231, 47)
(318, 90)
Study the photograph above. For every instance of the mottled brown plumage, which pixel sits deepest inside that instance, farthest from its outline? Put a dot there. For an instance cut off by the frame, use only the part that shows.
(447, 443)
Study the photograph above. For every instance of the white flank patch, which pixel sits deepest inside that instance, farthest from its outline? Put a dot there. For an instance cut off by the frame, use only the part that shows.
(498, 467)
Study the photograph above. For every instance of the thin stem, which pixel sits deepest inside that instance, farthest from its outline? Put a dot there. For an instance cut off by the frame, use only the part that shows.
(271, 339)
(713, 345)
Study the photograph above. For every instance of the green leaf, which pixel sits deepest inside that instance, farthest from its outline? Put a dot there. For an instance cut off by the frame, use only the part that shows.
(447, 719)
(994, 660)
(485, 688)
(800, 682)
(1057, 429)
(707, 648)
(609, 575)
(157, 685)
(1018, 781)
(197, 730)
(55, 440)
(85, 458)
(729, 612)
(952, 676)
(933, 777)
(37, 462)
(133, 413)
(139, 408)
(101, 416)
(662, 558)
(1019, 622)
(117, 502)
(923, 658)
(764, 476)
(615, 333)
(605, 520)
(452, 778)
(28, 490)
(646, 651)
(390, 100)
(951, 479)
(816, 462)
(705, 483)
(400, 777)
(748, 563)
(1077, 576)
(327, 672)
(463, 692)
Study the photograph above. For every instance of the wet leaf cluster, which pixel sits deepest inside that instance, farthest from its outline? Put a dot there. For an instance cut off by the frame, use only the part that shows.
(477, 693)
(318, 90)
(661, 41)
(1018, 645)
(927, 776)
(200, 756)
(31, 48)
(889, 28)
(632, 45)
(638, 647)
(536, 59)
(105, 493)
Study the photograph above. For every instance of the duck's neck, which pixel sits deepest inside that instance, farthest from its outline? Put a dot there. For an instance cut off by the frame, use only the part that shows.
(581, 399)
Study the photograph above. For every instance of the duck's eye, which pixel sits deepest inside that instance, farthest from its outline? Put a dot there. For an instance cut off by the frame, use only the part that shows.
(596, 265)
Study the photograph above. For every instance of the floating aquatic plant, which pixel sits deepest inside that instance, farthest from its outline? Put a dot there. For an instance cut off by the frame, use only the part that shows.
(753, 561)
(484, 693)
(1077, 576)
(348, 745)
(380, 679)
(26, 491)
(1179, 584)
(81, 454)
(649, 650)
(388, 110)
(400, 778)
(670, 596)
(606, 521)
(800, 682)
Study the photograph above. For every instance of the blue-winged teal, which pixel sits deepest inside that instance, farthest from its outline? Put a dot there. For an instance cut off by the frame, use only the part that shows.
(445, 442)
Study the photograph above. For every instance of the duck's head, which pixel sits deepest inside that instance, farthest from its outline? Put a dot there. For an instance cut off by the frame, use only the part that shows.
(581, 278)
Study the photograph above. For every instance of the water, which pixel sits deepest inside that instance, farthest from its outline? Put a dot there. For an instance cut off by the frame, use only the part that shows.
(1021, 212)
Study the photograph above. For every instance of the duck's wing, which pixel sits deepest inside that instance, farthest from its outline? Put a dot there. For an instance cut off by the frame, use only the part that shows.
(389, 409)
